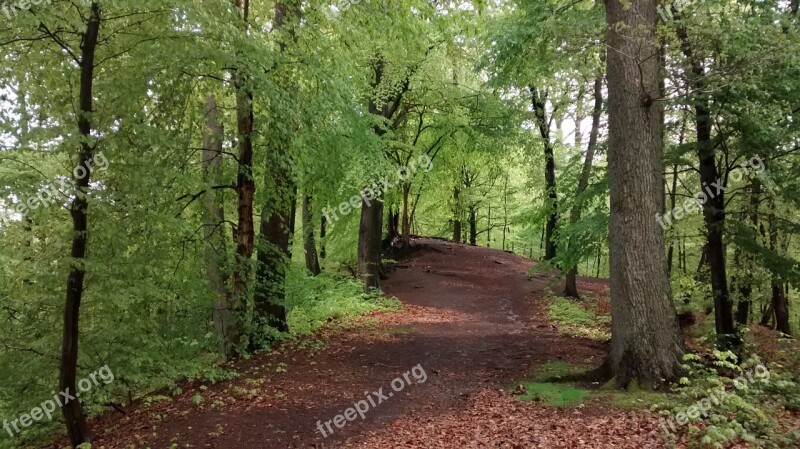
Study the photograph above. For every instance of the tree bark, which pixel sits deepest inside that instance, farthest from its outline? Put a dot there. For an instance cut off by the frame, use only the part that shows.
(274, 240)
(392, 225)
(746, 279)
(369, 244)
(780, 305)
(673, 193)
(277, 213)
(646, 344)
(456, 215)
(74, 415)
(406, 222)
(323, 230)
(473, 225)
(714, 207)
(571, 287)
(543, 123)
(214, 235)
(310, 245)
(245, 184)
(371, 226)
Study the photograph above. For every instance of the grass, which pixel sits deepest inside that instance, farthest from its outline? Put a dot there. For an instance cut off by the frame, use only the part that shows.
(576, 319)
(545, 386)
(553, 394)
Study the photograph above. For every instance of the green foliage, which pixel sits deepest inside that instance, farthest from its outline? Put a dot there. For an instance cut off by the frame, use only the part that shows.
(316, 301)
(577, 319)
(742, 402)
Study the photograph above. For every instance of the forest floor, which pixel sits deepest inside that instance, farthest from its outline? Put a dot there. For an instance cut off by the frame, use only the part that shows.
(472, 319)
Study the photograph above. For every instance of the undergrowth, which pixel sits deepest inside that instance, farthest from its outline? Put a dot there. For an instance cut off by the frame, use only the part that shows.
(579, 318)
(720, 402)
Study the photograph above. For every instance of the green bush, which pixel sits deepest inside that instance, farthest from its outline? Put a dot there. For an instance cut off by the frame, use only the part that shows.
(746, 410)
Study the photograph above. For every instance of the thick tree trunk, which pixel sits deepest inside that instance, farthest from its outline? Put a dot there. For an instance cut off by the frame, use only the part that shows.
(543, 123)
(371, 227)
(714, 207)
(369, 244)
(571, 285)
(74, 415)
(646, 344)
(277, 215)
(309, 244)
(274, 239)
(214, 235)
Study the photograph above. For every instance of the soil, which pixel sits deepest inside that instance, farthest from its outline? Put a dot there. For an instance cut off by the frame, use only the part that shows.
(473, 320)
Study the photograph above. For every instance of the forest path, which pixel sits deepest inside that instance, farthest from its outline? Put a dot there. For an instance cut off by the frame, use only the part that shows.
(474, 323)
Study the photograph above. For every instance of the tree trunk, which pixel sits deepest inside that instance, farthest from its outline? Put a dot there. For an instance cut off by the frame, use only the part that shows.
(370, 229)
(312, 261)
(456, 215)
(673, 193)
(406, 218)
(489, 227)
(780, 305)
(646, 344)
(74, 415)
(392, 225)
(277, 215)
(245, 184)
(292, 216)
(214, 235)
(543, 122)
(274, 239)
(323, 229)
(746, 278)
(369, 244)
(473, 226)
(714, 207)
(768, 314)
(571, 287)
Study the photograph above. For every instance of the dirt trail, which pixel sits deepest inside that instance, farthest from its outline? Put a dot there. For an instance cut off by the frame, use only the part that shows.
(474, 323)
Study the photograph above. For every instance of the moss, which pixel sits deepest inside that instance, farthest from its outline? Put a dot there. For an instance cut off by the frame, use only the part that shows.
(553, 394)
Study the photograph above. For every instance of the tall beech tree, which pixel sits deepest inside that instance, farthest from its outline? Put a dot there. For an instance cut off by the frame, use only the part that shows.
(214, 233)
(544, 122)
(74, 415)
(714, 208)
(278, 211)
(245, 183)
(645, 343)
(571, 282)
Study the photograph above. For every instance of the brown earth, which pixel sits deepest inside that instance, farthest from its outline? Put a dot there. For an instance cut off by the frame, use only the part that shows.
(474, 323)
